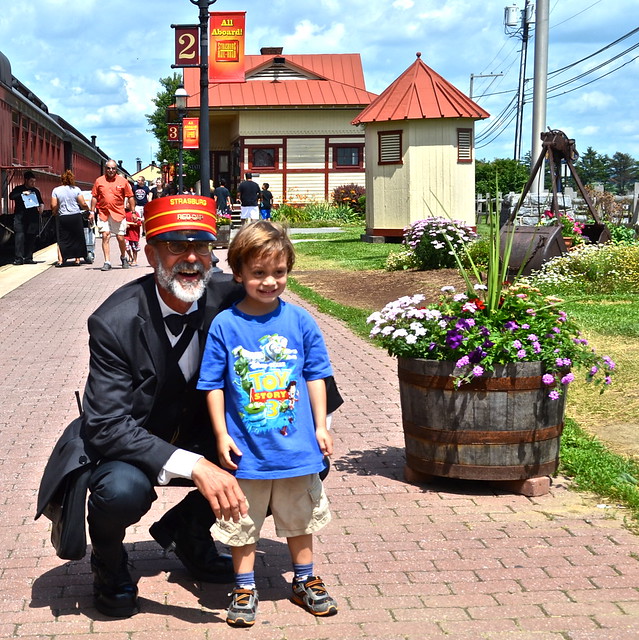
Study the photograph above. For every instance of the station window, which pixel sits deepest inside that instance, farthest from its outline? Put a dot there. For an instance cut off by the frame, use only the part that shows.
(348, 156)
(263, 157)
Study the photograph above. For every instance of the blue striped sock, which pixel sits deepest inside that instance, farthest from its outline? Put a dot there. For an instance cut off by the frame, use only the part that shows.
(303, 571)
(245, 580)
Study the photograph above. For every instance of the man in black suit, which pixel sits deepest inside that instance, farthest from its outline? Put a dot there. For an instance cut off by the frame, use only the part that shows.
(144, 424)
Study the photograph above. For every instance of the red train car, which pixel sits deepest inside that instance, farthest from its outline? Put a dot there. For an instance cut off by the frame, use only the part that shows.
(33, 139)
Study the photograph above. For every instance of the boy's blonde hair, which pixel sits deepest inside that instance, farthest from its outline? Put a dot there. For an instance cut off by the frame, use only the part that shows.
(259, 240)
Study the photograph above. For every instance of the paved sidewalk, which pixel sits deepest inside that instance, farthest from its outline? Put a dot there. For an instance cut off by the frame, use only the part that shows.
(452, 560)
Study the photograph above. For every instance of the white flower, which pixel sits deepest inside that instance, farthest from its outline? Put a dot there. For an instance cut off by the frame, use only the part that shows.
(411, 339)
(400, 333)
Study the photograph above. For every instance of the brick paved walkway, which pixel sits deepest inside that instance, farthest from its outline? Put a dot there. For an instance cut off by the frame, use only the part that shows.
(454, 560)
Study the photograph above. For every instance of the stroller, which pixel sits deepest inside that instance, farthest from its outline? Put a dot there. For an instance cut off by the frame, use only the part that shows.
(89, 238)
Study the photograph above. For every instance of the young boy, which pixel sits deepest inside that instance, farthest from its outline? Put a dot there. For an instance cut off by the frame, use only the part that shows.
(263, 368)
(266, 202)
(132, 237)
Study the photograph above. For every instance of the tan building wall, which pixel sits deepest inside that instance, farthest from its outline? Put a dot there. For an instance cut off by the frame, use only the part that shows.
(305, 171)
(430, 182)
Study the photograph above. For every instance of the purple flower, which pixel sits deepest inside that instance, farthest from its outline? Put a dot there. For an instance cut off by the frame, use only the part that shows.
(478, 371)
(547, 378)
(453, 339)
(536, 347)
(517, 344)
(568, 378)
(521, 353)
(554, 395)
(462, 362)
(532, 337)
(531, 312)
(594, 370)
(511, 325)
(609, 362)
(484, 332)
(608, 380)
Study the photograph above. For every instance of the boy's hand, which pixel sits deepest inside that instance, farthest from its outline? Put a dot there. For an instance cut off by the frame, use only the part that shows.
(225, 446)
(325, 441)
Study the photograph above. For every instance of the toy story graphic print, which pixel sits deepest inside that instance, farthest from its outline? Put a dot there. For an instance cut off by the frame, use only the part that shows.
(267, 387)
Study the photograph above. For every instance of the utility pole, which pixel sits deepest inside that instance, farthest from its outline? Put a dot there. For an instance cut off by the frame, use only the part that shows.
(525, 21)
(540, 90)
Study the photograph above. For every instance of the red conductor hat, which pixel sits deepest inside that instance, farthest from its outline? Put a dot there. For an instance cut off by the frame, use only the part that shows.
(176, 218)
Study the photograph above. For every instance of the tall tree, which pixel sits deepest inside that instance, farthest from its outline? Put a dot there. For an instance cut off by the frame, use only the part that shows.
(592, 167)
(160, 126)
(502, 174)
(623, 171)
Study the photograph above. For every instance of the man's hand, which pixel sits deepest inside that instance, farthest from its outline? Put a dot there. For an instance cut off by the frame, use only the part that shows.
(221, 489)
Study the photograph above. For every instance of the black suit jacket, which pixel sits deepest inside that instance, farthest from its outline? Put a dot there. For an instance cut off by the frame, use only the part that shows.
(127, 368)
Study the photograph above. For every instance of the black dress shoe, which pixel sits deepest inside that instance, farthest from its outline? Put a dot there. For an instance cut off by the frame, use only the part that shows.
(18, 261)
(29, 261)
(195, 547)
(114, 592)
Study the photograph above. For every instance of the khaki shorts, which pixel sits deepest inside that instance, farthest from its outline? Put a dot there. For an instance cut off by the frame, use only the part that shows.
(299, 506)
(111, 226)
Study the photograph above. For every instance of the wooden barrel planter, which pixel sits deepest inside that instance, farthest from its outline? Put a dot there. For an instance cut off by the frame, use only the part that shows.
(501, 426)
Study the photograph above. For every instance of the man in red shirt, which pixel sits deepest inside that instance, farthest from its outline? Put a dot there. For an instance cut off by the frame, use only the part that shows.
(107, 198)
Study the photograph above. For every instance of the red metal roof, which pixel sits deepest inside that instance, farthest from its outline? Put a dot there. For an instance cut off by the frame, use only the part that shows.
(420, 93)
(336, 80)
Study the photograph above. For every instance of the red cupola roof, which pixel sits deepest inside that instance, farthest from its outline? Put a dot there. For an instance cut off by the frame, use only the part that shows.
(420, 93)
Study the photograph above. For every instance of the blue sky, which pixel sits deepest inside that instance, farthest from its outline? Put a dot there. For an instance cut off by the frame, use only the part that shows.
(97, 63)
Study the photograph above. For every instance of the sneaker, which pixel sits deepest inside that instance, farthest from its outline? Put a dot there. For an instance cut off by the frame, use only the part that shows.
(125, 263)
(312, 596)
(106, 266)
(243, 607)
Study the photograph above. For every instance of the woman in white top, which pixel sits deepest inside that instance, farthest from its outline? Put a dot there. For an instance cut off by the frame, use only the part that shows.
(67, 204)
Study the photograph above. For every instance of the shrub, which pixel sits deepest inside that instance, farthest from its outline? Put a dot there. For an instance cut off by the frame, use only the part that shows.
(590, 269)
(426, 239)
(621, 234)
(400, 261)
(351, 195)
(288, 214)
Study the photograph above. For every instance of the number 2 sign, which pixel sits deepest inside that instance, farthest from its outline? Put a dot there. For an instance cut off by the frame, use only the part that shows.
(187, 53)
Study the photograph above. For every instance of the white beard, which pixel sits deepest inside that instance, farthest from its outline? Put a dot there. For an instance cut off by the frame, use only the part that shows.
(186, 292)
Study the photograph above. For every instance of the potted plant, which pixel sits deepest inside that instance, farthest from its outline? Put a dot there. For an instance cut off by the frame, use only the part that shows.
(483, 373)
(571, 229)
(223, 229)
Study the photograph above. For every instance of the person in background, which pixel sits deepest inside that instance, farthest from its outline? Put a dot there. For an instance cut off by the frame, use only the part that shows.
(272, 436)
(110, 193)
(222, 198)
(132, 237)
(142, 194)
(67, 204)
(266, 202)
(28, 207)
(248, 193)
(156, 191)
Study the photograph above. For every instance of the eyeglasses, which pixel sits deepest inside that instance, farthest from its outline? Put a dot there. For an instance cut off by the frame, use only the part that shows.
(177, 247)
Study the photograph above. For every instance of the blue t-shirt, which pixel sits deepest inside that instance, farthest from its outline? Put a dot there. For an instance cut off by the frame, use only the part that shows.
(263, 363)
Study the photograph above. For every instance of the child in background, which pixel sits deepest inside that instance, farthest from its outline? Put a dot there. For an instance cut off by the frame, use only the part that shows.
(266, 202)
(263, 369)
(132, 237)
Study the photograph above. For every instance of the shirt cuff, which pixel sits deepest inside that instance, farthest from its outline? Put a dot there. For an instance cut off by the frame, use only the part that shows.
(179, 465)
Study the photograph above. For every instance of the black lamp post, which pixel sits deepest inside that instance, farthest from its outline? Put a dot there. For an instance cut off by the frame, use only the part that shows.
(205, 160)
(180, 97)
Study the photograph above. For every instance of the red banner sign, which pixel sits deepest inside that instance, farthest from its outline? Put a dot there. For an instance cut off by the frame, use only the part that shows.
(226, 53)
(191, 133)
(187, 51)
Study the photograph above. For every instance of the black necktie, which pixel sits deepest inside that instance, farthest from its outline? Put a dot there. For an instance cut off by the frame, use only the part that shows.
(176, 321)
